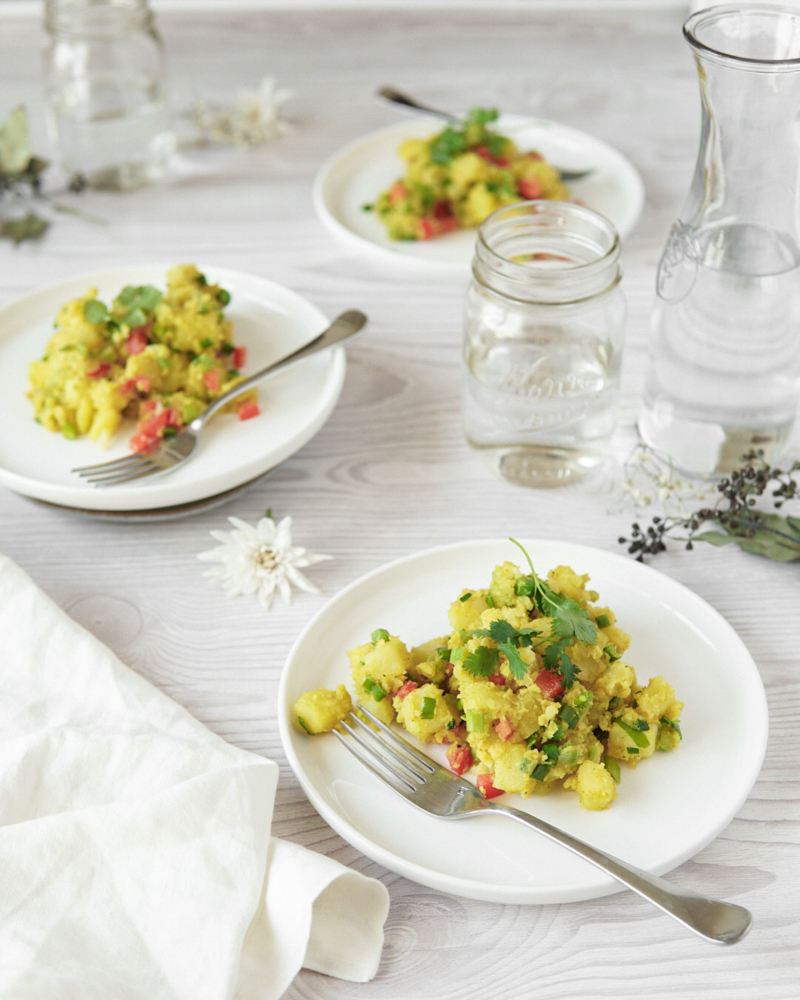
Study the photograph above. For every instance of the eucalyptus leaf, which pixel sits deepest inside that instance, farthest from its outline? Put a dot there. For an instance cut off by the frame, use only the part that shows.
(15, 149)
(776, 552)
(794, 524)
(29, 227)
(714, 538)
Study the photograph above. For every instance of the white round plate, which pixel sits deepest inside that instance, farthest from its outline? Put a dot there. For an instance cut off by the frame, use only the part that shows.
(667, 809)
(268, 319)
(356, 175)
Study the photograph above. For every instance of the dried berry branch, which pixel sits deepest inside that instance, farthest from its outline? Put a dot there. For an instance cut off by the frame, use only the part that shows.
(742, 522)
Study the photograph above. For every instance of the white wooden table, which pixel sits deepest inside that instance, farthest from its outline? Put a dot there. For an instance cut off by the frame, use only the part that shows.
(391, 474)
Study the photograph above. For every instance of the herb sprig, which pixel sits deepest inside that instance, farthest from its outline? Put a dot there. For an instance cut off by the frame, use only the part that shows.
(453, 140)
(569, 623)
(754, 530)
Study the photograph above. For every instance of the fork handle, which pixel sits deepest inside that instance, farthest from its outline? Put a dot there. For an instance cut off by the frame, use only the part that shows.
(712, 919)
(343, 328)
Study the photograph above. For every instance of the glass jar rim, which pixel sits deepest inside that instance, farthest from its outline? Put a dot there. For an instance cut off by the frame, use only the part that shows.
(571, 282)
(709, 15)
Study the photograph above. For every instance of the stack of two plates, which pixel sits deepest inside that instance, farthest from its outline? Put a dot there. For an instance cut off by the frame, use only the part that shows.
(269, 320)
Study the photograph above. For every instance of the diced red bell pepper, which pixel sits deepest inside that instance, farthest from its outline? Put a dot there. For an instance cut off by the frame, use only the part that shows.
(138, 338)
(533, 155)
(147, 406)
(142, 384)
(551, 685)
(239, 357)
(397, 192)
(211, 379)
(485, 154)
(530, 188)
(459, 758)
(249, 410)
(101, 371)
(504, 729)
(428, 228)
(151, 429)
(497, 679)
(442, 209)
(486, 788)
(405, 689)
(457, 734)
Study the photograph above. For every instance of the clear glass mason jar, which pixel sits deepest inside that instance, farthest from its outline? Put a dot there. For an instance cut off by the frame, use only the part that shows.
(107, 108)
(543, 338)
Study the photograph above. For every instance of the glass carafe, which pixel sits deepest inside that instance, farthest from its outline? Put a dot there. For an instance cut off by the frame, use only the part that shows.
(725, 349)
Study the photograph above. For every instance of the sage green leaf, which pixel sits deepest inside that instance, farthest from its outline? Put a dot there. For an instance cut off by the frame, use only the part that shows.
(15, 149)
(27, 228)
(794, 524)
(713, 538)
(776, 552)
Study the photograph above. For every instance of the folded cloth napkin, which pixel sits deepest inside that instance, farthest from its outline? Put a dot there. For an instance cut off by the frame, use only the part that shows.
(136, 861)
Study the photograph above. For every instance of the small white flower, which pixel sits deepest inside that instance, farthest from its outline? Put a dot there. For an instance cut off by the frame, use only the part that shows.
(260, 560)
(253, 119)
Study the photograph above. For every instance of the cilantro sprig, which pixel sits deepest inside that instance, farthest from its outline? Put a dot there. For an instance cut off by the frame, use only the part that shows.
(486, 659)
(453, 140)
(571, 623)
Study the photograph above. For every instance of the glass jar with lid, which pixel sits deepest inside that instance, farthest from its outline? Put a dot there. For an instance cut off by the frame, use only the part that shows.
(543, 339)
(107, 108)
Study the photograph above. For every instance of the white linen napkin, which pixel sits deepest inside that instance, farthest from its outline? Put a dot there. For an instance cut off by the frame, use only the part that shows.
(136, 861)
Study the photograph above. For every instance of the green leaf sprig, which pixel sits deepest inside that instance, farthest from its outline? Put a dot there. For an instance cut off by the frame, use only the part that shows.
(742, 523)
(20, 173)
(454, 139)
(570, 623)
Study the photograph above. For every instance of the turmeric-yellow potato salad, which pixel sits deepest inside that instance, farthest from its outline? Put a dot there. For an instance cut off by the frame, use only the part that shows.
(530, 689)
(458, 177)
(156, 357)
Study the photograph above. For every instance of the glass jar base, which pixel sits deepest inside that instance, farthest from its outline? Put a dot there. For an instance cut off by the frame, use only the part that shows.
(708, 448)
(540, 467)
(123, 177)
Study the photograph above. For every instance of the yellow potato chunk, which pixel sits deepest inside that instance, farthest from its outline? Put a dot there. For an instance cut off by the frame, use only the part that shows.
(595, 787)
(411, 712)
(322, 710)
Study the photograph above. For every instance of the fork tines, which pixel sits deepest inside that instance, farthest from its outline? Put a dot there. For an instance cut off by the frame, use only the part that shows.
(405, 771)
(120, 471)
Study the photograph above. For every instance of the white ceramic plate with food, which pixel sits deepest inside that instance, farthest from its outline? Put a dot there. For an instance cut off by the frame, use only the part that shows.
(269, 320)
(356, 175)
(667, 810)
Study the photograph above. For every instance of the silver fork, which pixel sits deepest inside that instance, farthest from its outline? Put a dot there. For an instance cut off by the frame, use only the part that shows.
(174, 451)
(394, 96)
(439, 792)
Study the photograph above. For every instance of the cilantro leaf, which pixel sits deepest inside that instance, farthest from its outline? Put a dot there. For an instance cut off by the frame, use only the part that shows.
(570, 619)
(552, 656)
(516, 664)
(482, 662)
(526, 636)
(94, 311)
(144, 297)
(481, 116)
(568, 671)
(502, 631)
(445, 146)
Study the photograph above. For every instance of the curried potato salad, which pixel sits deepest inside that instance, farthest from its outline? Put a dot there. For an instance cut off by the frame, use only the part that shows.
(157, 358)
(458, 177)
(529, 690)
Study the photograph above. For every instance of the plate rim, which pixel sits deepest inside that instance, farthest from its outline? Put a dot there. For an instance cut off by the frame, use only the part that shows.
(506, 893)
(151, 497)
(420, 266)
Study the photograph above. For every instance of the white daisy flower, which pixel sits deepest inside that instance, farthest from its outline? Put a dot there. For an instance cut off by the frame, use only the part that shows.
(260, 560)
